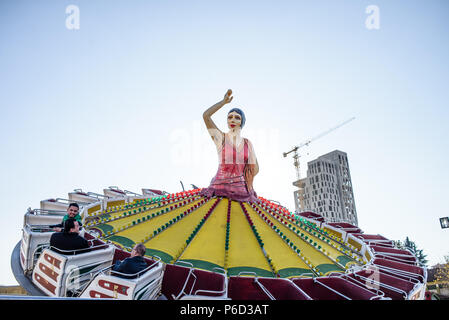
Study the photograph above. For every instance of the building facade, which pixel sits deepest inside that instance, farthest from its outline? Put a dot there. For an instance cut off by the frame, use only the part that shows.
(327, 189)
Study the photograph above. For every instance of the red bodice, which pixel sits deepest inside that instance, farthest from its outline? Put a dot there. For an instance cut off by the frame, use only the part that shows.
(230, 178)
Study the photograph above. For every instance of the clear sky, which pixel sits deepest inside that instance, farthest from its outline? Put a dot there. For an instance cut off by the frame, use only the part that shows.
(119, 101)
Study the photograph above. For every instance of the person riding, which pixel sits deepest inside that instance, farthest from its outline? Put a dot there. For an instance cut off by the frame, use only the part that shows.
(69, 239)
(237, 160)
(134, 264)
(72, 212)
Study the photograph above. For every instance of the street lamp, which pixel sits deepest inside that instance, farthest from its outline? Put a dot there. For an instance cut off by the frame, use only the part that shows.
(444, 222)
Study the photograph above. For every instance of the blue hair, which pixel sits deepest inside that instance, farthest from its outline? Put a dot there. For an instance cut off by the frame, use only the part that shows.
(241, 113)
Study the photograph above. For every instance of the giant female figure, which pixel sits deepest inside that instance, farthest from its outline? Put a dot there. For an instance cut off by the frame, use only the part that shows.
(237, 160)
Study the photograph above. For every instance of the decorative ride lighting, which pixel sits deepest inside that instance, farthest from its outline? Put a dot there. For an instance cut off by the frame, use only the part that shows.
(444, 222)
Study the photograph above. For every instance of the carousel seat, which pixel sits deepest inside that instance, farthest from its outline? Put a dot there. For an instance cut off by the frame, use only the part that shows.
(334, 288)
(65, 273)
(143, 285)
(254, 288)
(188, 283)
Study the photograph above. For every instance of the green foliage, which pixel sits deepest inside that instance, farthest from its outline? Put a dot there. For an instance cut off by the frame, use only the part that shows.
(411, 245)
(442, 272)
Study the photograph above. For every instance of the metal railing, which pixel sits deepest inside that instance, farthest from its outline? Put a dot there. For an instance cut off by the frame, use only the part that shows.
(191, 274)
(46, 212)
(377, 295)
(133, 193)
(370, 281)
(225, 284)
(76, 282)
(412, 277)
(65, 201)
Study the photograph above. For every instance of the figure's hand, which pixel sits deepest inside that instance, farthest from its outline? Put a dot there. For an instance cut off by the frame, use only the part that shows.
(228, 97)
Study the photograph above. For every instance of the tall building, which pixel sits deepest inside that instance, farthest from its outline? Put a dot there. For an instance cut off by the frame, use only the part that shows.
(327, 189)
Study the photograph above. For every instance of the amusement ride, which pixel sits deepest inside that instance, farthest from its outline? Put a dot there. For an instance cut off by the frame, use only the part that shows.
(221, 242)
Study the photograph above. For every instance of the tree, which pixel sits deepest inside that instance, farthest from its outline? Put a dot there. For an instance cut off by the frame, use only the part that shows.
(410, 245)
(442, 273)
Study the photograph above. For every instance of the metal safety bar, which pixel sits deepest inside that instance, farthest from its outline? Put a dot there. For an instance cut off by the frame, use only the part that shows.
(89, 277)
(265, 290)
(299, 289)
(315, 280)
(37, 252)
(380, 284)
(191, 274)
(412, 276)
(225, 284)
(131, 192)
(39, 227)
(84, 250)
(185, 284)
(66, 201)
(46, 211)
(98, 195)
(189, 264)
(395, 257)
(379, 293)
(377, 241)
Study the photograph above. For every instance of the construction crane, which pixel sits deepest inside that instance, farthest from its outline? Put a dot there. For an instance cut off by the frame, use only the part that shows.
(306, 143)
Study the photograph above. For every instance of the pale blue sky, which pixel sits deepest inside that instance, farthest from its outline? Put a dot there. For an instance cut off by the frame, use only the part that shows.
(119, 101)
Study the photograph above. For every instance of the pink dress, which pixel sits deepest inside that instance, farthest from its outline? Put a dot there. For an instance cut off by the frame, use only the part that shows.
(230, 178)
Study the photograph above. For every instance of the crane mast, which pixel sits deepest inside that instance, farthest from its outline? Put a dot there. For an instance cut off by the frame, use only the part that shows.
(296, 155)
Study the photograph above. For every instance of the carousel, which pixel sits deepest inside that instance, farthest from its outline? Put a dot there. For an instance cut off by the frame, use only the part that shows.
(220, 242)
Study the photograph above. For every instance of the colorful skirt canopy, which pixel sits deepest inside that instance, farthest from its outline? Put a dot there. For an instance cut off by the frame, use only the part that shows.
(223, 235)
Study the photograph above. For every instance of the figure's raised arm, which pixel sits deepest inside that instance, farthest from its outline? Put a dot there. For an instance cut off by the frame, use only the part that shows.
(215, 133)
